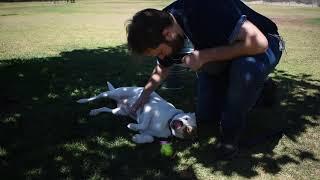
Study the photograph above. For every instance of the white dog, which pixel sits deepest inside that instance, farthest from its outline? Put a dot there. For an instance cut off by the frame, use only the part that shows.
(157, 118)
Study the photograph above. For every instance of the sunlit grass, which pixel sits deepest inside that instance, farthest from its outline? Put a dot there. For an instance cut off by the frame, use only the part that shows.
(315, 21)
(45, 29)
(3, 152)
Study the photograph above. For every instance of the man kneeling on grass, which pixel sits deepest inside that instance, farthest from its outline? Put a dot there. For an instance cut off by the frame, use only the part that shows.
(235, 49)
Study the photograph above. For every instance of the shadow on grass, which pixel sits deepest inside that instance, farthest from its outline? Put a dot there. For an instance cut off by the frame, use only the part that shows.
(45, 134)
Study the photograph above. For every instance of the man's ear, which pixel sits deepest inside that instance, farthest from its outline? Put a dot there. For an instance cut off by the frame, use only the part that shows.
(167, 33)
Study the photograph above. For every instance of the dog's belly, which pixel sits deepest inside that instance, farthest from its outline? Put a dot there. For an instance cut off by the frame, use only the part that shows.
(126, 97)
(157, 108)
(156, 103)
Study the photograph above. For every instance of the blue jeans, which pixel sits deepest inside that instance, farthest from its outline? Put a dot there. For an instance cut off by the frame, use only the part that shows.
(227, 97)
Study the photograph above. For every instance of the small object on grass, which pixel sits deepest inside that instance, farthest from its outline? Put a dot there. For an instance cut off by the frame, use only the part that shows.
(166, 149)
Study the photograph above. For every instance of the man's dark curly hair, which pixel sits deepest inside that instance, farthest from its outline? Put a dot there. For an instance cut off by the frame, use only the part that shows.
(145, 29)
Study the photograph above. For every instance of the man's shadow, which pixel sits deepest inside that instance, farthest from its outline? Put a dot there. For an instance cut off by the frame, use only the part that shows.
(45, 134)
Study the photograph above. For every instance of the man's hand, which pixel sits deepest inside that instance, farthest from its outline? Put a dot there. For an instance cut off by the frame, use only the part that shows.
(139, 103)
(192, 60)
(159, 73)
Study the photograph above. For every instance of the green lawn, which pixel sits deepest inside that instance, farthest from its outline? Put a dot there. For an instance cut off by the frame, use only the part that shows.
(53, 54)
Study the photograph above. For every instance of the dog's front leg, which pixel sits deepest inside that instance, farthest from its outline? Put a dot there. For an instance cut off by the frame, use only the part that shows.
(142, 138)
(85, 100)
(143, 122)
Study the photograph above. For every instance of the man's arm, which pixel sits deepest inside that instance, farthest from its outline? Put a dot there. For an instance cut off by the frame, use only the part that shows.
(157, 76)
(250, 41)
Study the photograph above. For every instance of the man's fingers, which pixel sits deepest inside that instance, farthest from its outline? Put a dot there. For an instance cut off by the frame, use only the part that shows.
(183, 60)
(133, 108)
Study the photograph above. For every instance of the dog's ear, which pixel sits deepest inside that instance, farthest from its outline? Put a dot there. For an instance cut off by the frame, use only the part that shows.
(193, 114)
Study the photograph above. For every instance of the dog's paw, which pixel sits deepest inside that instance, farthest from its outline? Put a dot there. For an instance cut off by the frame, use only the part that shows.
(94, 112)
(141, 138)
(132, 126)
(136, 138)
(82, 101)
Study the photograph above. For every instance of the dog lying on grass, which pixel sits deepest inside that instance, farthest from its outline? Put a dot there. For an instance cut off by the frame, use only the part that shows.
(157, 118)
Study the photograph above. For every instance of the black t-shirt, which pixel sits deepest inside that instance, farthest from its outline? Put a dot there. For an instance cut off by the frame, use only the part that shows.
(212, 23)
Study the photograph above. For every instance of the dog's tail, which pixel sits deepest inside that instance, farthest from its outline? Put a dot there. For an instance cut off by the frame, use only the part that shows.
(110, 86)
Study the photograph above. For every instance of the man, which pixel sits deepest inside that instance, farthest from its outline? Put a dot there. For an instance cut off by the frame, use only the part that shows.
(235, 49)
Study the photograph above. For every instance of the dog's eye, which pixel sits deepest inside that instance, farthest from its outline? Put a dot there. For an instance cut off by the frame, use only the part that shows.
(185, 118)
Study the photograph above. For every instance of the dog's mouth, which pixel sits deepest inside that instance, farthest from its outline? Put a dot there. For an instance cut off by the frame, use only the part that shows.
(176, 124)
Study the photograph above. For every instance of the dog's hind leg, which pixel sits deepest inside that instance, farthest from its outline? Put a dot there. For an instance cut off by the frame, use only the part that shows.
(142, 138)
(115, 111)
(85, 100)
(110, 86)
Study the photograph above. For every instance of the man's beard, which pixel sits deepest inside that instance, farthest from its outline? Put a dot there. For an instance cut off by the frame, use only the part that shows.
(176, 44)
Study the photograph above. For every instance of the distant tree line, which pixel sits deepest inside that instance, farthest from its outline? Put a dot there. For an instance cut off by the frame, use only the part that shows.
(71, 1)
(314, 2)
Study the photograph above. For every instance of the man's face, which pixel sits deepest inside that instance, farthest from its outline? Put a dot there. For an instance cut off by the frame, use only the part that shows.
(167, 48)
(176, 44)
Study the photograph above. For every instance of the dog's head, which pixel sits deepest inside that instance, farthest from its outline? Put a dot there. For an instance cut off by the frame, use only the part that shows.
(184, 125)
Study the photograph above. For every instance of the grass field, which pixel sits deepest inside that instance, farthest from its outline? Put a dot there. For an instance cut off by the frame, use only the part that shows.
(53, 54)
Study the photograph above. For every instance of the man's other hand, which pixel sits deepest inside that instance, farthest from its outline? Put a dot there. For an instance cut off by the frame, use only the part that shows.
(192, 60)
